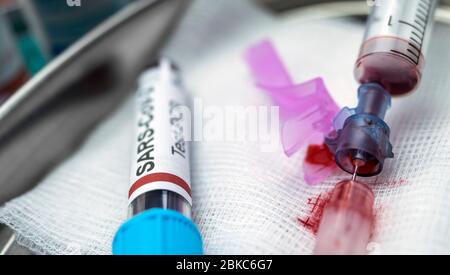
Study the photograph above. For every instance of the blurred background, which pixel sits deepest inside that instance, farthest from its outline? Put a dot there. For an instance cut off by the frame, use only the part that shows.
(33, 32)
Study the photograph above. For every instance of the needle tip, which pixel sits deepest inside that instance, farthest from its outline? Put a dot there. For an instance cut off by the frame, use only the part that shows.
(356, 163)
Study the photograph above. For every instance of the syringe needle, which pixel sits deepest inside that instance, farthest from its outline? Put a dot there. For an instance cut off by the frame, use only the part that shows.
(355, 172)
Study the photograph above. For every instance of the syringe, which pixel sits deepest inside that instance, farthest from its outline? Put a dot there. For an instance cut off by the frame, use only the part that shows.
(396, 40)
(390, 63)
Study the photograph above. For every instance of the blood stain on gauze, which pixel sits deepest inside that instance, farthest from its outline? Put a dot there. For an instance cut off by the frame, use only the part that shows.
(316, 206)
(306, 110)
(319, 163)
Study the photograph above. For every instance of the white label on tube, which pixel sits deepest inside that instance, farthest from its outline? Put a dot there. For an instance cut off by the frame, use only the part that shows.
(160, 152)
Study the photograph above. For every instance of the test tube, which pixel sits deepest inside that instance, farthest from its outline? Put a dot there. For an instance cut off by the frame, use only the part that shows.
(160, 197)
(12, 69)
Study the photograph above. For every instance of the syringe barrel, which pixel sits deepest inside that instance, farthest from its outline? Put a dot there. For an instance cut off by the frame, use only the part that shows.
(394, 47)
(400, 18)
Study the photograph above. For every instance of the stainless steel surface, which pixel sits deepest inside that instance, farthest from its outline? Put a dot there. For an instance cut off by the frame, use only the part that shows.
(50, 116)
(284, 5)
(8, 243)
(326, 9)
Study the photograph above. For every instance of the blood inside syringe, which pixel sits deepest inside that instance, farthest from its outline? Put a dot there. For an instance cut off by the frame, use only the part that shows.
(394, 63)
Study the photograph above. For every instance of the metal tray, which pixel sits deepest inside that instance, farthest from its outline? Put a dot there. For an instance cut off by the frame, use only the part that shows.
(53, 112)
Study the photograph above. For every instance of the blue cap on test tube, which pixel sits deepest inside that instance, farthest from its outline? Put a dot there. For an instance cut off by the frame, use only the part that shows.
(158, 232)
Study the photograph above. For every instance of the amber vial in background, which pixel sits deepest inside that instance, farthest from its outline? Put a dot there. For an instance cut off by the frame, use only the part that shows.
(347, 220)
(12, 70)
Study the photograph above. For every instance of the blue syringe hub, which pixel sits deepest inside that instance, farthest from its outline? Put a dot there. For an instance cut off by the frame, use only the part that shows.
(363, 139)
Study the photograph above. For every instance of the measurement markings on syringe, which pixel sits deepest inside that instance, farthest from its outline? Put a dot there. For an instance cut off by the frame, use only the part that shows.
(419, 26)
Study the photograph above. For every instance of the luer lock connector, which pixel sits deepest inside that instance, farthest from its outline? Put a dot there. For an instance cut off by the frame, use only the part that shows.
(361, 136)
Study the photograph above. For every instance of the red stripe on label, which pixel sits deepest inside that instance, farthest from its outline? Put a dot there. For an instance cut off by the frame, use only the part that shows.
(159, 177)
